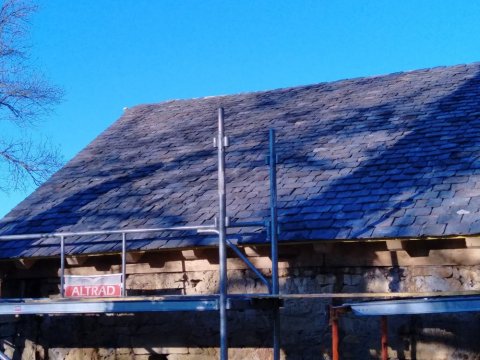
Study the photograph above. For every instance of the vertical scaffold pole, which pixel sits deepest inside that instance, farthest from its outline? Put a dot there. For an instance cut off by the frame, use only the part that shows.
(222, 234)
(124, 264)
(274, 241)
(335, 340)
(62, 266)
(384, 339)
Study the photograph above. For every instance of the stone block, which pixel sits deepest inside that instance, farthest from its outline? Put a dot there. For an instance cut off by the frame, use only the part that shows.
(29, 350)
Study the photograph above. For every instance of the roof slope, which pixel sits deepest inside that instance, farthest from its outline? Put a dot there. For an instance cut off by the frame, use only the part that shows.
(387, 156)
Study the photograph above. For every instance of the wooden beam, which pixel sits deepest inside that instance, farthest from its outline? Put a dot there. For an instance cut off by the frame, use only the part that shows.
(252, 251)
(133, 257)
(394, 245)
(24, 264)
(190, 254)
(472, 242)
(76, 260)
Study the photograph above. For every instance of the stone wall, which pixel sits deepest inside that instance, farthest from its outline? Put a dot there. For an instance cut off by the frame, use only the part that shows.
(305, 323)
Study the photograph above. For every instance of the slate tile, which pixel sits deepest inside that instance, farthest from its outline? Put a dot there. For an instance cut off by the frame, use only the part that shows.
(384, 232)
(433, 229)
(419, 211)
(406, 220)
(408, 231)
(324, 234)
(420, 163)
(474, 227)
(456, 228)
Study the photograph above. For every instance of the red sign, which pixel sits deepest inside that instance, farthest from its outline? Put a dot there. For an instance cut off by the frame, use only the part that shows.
(93, 291)
(93, 286)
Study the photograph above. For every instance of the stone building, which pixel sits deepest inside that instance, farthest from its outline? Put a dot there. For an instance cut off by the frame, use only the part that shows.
(378, 192)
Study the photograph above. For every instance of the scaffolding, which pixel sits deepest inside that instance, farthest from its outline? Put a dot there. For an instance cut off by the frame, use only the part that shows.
(435, 303)
(220, 302)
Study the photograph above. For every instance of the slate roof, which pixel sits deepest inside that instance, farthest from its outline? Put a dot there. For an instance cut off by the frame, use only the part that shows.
(386, 156)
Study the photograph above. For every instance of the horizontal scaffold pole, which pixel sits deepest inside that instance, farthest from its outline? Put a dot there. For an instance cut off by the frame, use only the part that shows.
(198, 228)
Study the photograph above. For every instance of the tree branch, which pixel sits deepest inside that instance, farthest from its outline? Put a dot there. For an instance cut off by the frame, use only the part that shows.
(24, 98)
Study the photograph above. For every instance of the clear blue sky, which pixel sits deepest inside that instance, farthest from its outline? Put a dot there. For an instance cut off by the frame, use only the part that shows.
(112, 54)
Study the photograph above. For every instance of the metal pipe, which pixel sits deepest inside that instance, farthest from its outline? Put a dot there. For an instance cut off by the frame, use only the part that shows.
(250, 265)
(222, 235)
(335, 343)
(62, 266)
(208, 231)
(273, 211)
(124, 264)
(276, 332)
(274, 241)
(384, 330)
(105, 232)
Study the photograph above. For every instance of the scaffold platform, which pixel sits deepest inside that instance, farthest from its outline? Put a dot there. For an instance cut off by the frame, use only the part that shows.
(133, 304)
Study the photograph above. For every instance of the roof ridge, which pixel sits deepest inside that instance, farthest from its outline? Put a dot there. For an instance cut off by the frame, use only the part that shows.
(306, 86)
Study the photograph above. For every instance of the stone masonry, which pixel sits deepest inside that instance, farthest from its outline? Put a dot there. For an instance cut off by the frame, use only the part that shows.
(305, 322)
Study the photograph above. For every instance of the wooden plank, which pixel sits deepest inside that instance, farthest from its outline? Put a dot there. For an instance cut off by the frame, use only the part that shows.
(464, 257)
(189, 254)
(394, 245)
(472, 242)
(76, 260)
(340, 254)
(253, 251)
